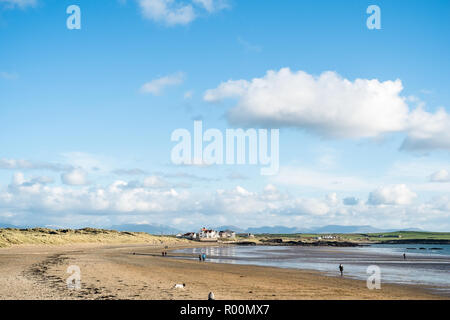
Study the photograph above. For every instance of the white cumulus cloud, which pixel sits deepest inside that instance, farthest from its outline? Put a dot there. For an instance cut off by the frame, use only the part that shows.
(334, 107)
(157, 86)
(130, 201)
(328, 104)
(428, 131)
(169, 12)
(175, 12)
(76, 177)
(392, 195)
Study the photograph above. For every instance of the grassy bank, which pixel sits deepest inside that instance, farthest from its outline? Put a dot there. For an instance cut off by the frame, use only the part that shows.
(43, 236)
(358, 237)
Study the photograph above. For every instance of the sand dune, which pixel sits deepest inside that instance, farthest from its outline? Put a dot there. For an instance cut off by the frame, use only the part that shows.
(37, 236)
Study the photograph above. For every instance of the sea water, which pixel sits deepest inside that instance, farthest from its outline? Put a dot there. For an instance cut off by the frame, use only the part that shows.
(423, 265)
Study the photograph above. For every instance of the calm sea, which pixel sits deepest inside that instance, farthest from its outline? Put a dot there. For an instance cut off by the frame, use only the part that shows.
(424, 265)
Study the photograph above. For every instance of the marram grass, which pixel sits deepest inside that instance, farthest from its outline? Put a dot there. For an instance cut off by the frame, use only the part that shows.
(43, 236)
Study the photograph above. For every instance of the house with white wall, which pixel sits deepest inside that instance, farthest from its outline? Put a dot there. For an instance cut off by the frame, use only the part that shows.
(208, 235)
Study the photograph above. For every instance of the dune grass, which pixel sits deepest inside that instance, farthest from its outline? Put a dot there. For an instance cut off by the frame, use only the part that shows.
(43, 236)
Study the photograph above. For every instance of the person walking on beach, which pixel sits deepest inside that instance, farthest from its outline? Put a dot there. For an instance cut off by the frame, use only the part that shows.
(200, 257)
(203, 257)
(404, 256)
(341, 269)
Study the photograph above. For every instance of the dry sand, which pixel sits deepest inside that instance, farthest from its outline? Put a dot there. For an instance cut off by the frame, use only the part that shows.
(114, 272)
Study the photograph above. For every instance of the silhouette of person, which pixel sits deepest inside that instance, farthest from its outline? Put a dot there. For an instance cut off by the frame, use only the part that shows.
(341, 269)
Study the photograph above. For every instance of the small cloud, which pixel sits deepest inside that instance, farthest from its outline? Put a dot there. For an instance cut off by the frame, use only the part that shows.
(270, 188)
(392, 195)
(440, 176)
(332, 199)
(89, 162)
(42, 180)
(175, 12)
(212, 5)
(169, 12)
(19, 180)
(76, 177)
(14, 164)
(21, 4)
(157, 86)
(155, 182)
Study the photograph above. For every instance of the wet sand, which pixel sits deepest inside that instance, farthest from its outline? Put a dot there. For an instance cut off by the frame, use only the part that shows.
(430, 270)
(114, 272)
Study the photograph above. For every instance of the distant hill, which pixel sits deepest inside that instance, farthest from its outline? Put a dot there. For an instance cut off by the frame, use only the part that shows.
(149, 228)
(346, 229)
(274, 230)
(5, 225)
(233, 228)
(324, 229)
(410, 229)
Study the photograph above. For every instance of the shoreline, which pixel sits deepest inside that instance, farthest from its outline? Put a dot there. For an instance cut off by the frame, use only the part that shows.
(432, 288)
(114, 272)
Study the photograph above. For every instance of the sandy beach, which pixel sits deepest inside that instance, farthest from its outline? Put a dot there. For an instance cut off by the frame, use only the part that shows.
(140, 272)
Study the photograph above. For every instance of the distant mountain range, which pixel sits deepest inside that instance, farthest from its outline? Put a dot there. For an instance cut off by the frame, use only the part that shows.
(325, 229)
(159, 229)
(289, 230)
(149, 228)
(5, 225)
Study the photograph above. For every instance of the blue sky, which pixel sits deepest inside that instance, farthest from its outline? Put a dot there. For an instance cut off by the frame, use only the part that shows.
(84, 144)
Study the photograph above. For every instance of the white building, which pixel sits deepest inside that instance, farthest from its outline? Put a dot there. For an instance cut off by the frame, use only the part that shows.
(208, 235)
